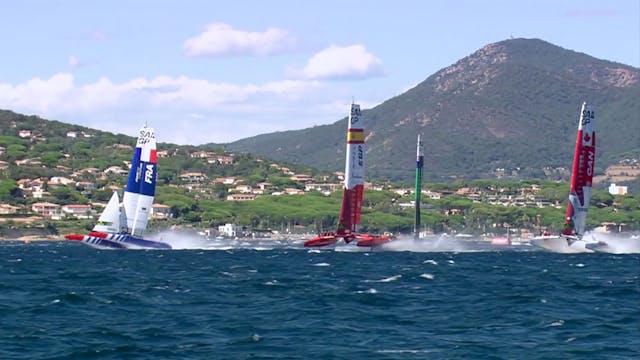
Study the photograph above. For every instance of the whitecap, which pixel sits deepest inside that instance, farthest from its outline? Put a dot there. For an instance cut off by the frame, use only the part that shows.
(321, 264)
(430, 261)
(403, 351)
(556, 323)
(579, 265)
(427, 276)
(368, 291)
(389, 279)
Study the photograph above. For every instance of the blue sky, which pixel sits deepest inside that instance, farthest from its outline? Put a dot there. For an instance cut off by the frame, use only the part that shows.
(218, 71)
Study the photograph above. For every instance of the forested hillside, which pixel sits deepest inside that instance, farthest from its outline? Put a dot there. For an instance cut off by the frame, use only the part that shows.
(512, 105)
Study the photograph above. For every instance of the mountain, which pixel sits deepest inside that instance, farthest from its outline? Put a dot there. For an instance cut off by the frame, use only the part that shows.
(511, 105)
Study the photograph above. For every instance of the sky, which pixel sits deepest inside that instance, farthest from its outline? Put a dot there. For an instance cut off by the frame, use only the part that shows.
(218, 71)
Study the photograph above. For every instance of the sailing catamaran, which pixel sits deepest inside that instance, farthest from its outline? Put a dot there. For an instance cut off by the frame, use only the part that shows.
(121, 226)
(571, 238)
(418, 188)
(349, 220)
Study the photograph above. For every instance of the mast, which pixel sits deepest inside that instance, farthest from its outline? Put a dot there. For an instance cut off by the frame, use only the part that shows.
(418, 188)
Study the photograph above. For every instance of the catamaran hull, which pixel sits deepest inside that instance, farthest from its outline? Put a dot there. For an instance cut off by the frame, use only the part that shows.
(602, 247)
(108, 241)
(322, 241)
(372, 240)
(561, 245)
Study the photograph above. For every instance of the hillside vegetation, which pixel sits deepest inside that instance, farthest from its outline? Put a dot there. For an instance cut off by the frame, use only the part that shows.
(512, 105)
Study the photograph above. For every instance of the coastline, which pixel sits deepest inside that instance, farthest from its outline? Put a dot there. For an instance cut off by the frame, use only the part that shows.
(34, 238)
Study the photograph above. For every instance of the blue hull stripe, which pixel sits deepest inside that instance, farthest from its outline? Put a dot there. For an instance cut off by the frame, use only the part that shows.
(123, 241)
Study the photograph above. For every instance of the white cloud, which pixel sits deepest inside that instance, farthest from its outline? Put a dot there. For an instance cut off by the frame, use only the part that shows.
(336, 62)
(221, 39)
(182, 109)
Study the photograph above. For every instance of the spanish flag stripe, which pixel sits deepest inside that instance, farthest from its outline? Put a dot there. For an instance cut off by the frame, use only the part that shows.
(355, 136)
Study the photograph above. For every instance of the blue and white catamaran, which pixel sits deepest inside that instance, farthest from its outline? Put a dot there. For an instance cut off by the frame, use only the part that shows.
(122, 225)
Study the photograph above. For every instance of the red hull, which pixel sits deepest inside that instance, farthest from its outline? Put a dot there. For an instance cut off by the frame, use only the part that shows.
(324, 240)
(372, 240)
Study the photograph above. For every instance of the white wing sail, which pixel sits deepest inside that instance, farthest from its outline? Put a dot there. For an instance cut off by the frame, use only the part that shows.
(109, 220)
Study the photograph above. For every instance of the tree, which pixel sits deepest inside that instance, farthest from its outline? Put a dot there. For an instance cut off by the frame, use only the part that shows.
(65, 194)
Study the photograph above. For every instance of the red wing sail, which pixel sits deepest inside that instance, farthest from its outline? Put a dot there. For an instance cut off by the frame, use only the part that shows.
(350, 210)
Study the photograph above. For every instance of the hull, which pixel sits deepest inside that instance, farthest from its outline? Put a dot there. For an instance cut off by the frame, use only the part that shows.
(602, 247)
(323, 240)
(561, 245)
(110, 241)
(372, 240)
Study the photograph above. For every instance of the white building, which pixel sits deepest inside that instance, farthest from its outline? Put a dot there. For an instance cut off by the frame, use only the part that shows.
(617, 190)
(230, 230)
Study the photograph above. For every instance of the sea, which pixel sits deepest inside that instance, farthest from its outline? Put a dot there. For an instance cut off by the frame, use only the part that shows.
(279, 300)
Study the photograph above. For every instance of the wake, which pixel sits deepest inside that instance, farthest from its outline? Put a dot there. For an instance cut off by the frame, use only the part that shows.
(615, 243)
(192, 240)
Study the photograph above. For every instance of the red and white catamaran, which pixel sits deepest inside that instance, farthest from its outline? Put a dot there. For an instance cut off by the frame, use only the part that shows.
(349, 220)
(571, 238)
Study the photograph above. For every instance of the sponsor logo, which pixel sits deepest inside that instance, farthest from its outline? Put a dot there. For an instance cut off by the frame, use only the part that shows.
(138, 172)
(148, 175)
(360, 156)
(145, 136)
(355, 114)
(590, 162)
(587, 116)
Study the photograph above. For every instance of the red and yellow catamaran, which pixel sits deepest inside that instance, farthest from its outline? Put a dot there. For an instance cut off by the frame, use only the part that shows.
(349, 220)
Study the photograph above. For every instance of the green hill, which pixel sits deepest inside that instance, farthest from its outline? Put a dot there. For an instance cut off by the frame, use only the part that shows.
(511, 105)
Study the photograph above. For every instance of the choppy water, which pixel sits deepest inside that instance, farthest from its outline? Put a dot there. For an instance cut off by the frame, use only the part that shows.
(68, 301)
